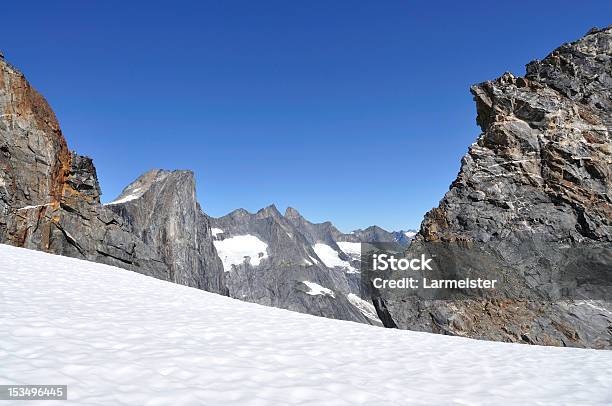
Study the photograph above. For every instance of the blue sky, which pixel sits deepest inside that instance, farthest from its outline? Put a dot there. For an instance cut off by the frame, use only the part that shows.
(356, 112)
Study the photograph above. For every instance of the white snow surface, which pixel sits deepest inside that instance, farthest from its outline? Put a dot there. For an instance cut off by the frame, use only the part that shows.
(135, 194)
(366, 308)
(330, 257)
(352, 249)
(216, 231)
(116, 337)
(410, 234)
(316, 289)
(35, 206)
(234, 250)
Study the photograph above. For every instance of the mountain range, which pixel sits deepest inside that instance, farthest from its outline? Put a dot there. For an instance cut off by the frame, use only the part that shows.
(537, 181)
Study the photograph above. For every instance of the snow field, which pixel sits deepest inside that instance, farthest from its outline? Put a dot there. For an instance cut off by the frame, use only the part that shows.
(120, 338)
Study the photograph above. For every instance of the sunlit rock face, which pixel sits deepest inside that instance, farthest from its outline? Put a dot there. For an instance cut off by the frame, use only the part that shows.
(162, 210)
(535, 184)
(34, 157)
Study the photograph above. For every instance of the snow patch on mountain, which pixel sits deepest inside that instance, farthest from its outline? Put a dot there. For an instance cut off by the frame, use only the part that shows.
(316, 289)
(117, 337)
(331, 258)
(216, 231)
(352, 249)
(133, 195)
(235, 250)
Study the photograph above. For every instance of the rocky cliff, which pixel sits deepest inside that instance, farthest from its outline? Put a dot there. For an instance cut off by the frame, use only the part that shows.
(534, 192)
(162, 210)
(34, 157)
(50, 201)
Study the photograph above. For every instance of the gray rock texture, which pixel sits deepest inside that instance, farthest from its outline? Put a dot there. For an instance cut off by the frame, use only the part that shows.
(50, 201)
(533, 192)
(283, 275)
(162, 210)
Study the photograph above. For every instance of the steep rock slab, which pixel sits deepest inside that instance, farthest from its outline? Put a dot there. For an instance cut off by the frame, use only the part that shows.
(162, 210)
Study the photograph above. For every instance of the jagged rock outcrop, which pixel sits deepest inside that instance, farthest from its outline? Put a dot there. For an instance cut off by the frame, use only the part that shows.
(162, 210)
(534, 193)
(50, 200)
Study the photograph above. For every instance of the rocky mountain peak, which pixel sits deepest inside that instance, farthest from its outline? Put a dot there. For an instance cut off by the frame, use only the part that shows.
(144, 183)
(239, 213)
(290, 212)
(163, 211)
(269, 211)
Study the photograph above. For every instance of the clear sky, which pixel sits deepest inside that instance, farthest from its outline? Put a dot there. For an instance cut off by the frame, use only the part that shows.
(354, 111)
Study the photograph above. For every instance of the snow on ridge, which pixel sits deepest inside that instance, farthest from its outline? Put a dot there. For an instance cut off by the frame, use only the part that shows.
(331, 258)
(316, 289)
(410, 234)
(117, 337)
(133, 195)
(366, 308)
(235, 250)
(352, 249)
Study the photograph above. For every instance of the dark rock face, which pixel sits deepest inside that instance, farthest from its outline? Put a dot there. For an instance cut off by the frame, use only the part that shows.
(162, 210)
(50, 201)
(536, 182)
(270, 259)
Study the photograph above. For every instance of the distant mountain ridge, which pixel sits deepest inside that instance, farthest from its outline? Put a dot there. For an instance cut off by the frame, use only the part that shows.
(287, 261)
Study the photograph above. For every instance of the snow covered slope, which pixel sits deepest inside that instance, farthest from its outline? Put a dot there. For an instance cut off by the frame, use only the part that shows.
(117, 337)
